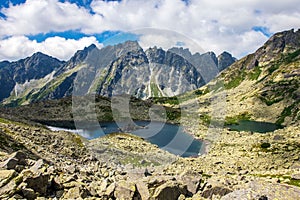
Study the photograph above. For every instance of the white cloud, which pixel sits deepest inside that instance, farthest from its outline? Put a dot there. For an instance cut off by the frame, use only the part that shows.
(17, 47)
(214, 25)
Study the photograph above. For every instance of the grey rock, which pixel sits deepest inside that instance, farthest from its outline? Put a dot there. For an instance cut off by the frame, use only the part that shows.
(76, 193)
(191, 180)
(219, 191)
(169, 191)
(10, 163)
(6, 176)
(38, 183)
(37, 166)
(296, 176)
(29, 193)
(125, 190)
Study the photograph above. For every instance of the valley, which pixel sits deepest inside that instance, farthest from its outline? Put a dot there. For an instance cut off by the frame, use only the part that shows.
(244, 164)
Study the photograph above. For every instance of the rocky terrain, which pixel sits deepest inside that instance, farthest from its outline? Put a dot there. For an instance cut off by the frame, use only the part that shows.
(108, 71)
(38, 163)
(263, 86)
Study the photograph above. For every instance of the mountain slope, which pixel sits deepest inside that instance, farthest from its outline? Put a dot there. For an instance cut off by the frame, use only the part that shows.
(15, 77)
(115, 70)
(264, 85)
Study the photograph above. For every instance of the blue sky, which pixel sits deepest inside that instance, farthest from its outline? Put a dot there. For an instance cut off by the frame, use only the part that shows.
(61, 27)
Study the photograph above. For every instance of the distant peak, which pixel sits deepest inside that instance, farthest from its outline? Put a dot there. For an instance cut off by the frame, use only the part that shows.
(39, 54)
(91, 47)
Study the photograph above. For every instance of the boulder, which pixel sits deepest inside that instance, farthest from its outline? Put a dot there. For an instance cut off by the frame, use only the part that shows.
(76, 193)
(110, 190)
(8, 190)
(17, 158)
(125, 190)
(191, 180)
(6, 176)
(217, 191)
(296, 176)
(37, 166)
(10, 163)
(29, 193)
(143, 190)
(169, 191)
(38, 183)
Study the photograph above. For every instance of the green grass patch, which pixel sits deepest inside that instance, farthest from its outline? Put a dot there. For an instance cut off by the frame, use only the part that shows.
(155, 92)
(291, 56)
(235, 119)
(287, 111)
(255, 73)
(270, 102)
(165, 100)
(206, 119)
(290, 180)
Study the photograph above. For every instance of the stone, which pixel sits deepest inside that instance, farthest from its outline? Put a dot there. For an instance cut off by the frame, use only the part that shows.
(181, 197)
(218, 191)
(6, 176)
(70, 169)
(59, 193)
(10, 163)
(143, 190)
(38, 183)
(103, 185)
(110, 190)
(296, 176)
(37, 166)
(8, 190)
(192, 180)
(125, 190)
(76, 193)
(169, 191)
(29, 193)
(20, 156)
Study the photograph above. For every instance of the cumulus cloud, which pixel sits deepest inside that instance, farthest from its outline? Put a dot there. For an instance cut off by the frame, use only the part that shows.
(17, 47)
(214, 25)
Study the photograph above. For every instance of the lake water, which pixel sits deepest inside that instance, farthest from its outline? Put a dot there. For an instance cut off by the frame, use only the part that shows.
(169, 137)
(254, 126)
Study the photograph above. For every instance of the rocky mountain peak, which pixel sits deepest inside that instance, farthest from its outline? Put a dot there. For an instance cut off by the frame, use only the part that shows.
(282, 42)
(225, 59)
(185, 53)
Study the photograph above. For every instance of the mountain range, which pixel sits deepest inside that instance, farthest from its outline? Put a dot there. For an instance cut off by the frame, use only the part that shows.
(113, 70)
(262, 88)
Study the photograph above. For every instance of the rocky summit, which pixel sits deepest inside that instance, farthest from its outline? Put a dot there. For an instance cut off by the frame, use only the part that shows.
(111, 70)
(261, 88)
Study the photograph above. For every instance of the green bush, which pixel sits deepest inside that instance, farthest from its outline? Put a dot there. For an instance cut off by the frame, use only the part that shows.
(265, 145)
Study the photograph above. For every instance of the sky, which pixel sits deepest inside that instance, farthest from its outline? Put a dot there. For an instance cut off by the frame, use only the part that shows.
(61, 27)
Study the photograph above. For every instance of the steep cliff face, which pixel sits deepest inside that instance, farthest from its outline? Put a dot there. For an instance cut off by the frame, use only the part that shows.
(16, 76)
(113, 70)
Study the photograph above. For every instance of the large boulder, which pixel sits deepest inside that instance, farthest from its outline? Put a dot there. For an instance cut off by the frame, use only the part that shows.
(17, 158)
(39, 183)
(125, 190)
(6, 176)
(76, 193)
(169, 191)
(192, 180)
(215, 191)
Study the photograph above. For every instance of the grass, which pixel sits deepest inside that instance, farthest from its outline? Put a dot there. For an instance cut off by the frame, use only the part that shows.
(270, 102)
(206, 119)
(235, 119)
(155, 92)
(291, 56)
(255, 73)
(290, 181)
(287, 111)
